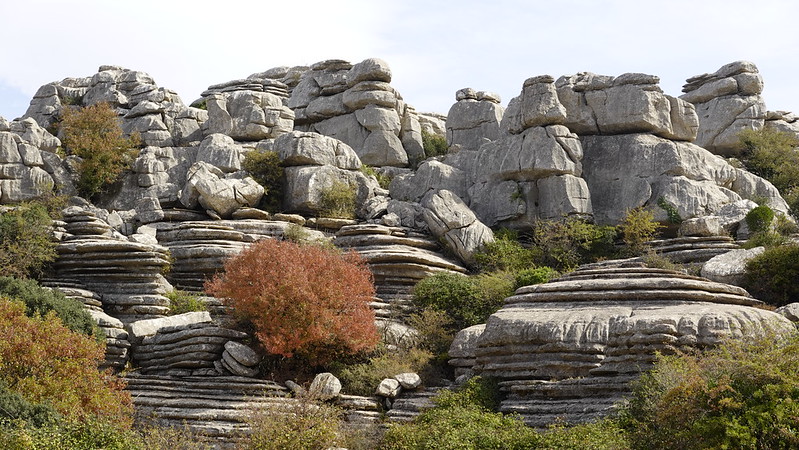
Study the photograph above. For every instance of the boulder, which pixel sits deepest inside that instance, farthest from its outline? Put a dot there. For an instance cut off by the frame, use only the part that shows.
(409, 380)
(248, 115)
(208, 187)
(389, 388)
(730, 267)
(451, 220)
(701, 226)
(303, 149)
(789, 311)
(471, 122)
(325, 386)
(220, 151)
(727, 102)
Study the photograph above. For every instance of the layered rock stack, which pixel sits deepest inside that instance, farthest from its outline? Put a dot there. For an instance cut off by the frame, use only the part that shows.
(727, 102)
(357, 105)
(474, 119)
(398, 258)
(199, 249)
(189, 344)
(157, 114)
(28, 167)
(117, 345)
(216, 408)
(127, 274)
(567, 349)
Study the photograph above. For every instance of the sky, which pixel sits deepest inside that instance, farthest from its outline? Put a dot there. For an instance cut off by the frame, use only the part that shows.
(433, 48)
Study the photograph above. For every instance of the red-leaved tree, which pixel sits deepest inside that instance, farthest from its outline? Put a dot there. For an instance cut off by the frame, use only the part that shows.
(303, 300)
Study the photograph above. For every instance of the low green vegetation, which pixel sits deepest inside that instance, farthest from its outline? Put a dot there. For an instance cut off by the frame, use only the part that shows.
(383, 179)
(772, 276)
(362, 377)
(338, 200)
(266, 169)
(26, 245)
(304, 425)
(774, 155)
(94, 134)
(434, 144)
(182, 302)
(637, 228)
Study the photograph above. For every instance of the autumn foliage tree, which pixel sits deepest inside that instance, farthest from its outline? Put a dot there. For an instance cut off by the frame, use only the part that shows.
(47, 363)
(303, 300)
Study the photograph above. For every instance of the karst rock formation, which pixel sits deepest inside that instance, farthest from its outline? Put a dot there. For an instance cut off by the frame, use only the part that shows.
(586, 145)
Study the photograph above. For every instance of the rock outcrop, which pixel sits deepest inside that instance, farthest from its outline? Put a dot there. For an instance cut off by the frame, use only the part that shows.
(727, 102)
(29, 168)
(474, 119)
(356, 104)
(567, 349)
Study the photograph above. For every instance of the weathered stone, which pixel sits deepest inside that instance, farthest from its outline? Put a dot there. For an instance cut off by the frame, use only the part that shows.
(220, 151)
(730, 267)
(302, 149)
(450, 219)
(142, 328)
(325, 386)
(471, 123)
(242, 354)
(389, 388)
(701, 226)
(789, 311)
(409, 380)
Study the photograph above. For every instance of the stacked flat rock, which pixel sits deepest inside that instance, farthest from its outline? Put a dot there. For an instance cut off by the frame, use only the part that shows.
(117, 345)
(567, 349)
(356, 104)
(409, 404)
(184, 345)
(473, 119)
(398, 258)
(727, 102)
(199, 249)
(784, 121)
(216, 408)
(697, 249)
(29, 168)
(125, 273)
(240, 360)
(252, 83)
(360, 410)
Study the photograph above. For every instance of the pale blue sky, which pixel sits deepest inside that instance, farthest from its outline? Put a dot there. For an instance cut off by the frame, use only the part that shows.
(433, 47)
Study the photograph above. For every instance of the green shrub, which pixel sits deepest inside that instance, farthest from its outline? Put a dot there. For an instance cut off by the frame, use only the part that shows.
(182, 302)
(435, 330)
(39, 301)
(15, 408)
(72, 435)
(773, 276)
(266, 169)
(296, 233)
(564, 244)
(759, 219)
(94, 133)
(772, 155)
(338, 200)
(744, 394)
(302, 425)
(434, 144)
(604, 434)
(671, 210)
(637, 228)
(468, 300)
(463, 420)
(26, 245)
(382, 179)
(362, 378)
(505, 253)
(766, 238)
(538, 275)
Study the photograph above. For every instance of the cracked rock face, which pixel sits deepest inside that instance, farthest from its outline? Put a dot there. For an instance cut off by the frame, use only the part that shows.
(727, 102)
(450, 219)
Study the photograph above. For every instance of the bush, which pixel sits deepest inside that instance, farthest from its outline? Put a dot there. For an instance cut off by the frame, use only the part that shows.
(87, 435)
(338, 200)
(301, 425)
(759, 219)
(382, 179)
(773, 276)
(363, 378)
(637, 228)
(772, 155)
(182, 302)
(435, 330)
(564, 244)
(94, 133)
(743, 394)
(45, 362)
(15, 408)
(434, 144)
(302, 299)
(463, 420)
(671, 211)
(505, 253)
(468, 300)
(266, 169)
(538, 275)
(40, 301)
(601, 435)
(26, 243)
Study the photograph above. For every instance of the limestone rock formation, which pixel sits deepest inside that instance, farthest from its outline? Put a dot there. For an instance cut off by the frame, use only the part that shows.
(629, 103)
(784, 121)
(210, 188)
(474, 119)
(730, 267)
(451, 220)
(567, 349)
(28, 167)
(357, 105)
(727, 102)
(248, 115)
(630, 170)
(157, 114)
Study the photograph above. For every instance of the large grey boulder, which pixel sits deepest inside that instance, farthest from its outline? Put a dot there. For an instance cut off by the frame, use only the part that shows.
(537, 105)
(727, 102)
(730, 267)
(142, 328)
(325, 386)
(431, 175)
(208, 187)
(312, 149)
(305, 186)
(789, 311)
(451, 220)
(473, 119)
(220, 151)
(629, 103)
(631, 170)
